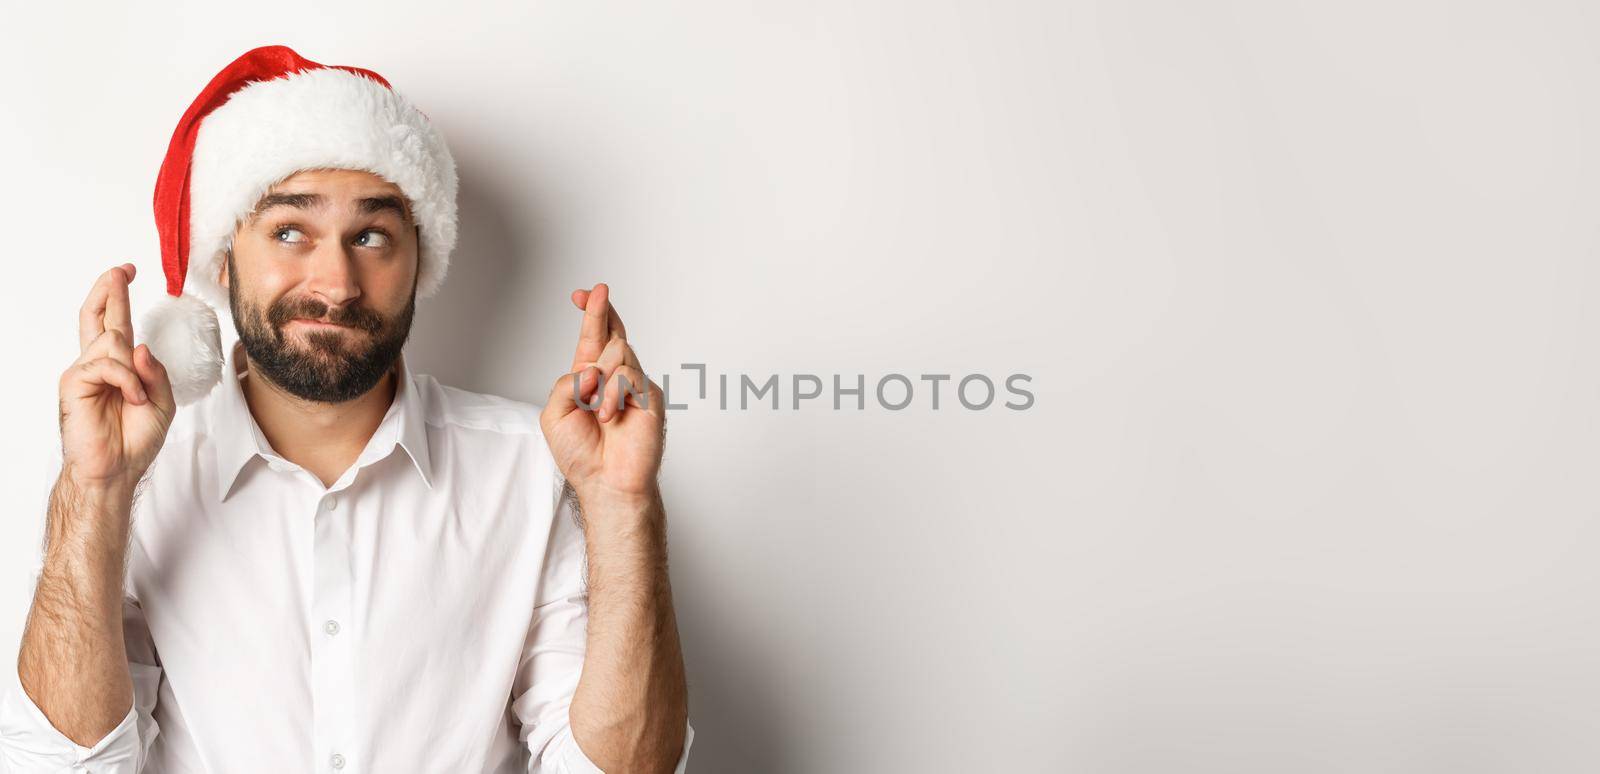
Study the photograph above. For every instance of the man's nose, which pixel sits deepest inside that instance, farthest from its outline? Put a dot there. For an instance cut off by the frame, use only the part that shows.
(332, 273)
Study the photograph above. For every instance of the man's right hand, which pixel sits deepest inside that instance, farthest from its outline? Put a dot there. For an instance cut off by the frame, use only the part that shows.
(116, 401)
(116, 406)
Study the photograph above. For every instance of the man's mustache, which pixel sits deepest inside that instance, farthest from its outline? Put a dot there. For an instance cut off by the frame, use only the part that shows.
(358, 317)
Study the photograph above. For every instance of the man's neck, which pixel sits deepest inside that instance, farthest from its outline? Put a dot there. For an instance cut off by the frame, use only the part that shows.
(324, 438)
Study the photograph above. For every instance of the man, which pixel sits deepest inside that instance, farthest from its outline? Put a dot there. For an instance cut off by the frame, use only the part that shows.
(324, 562)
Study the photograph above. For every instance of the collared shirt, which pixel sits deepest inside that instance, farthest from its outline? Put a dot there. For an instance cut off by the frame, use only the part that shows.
(425, 613)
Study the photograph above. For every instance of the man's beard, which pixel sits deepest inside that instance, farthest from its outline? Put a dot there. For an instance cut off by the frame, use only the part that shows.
(327, 373)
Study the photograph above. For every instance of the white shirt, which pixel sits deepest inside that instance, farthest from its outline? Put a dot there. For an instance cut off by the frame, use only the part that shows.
(426, 613)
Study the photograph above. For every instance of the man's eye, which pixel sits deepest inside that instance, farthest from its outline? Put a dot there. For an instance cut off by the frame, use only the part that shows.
(289, 235)
(373, 239)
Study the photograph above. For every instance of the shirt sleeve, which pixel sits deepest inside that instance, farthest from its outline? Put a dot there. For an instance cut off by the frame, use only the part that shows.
(552, 656)
(30, 743)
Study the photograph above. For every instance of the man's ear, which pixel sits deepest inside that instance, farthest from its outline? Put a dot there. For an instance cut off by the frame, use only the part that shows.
(222, 271)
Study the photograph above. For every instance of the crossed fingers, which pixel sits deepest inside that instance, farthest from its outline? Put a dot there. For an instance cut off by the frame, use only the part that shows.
(602, 339)
(603, 344)
(107, 310)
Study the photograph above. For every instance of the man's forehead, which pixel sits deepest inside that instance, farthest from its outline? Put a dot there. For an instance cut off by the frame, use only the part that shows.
(355, 183)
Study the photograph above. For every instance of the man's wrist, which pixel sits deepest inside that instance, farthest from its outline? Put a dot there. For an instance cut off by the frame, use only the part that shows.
(612, 514)
(78, 503)
(93, 490)
(601, 496)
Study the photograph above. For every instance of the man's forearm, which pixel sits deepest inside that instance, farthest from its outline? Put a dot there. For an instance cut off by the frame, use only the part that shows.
(631, 706)
(72, 661)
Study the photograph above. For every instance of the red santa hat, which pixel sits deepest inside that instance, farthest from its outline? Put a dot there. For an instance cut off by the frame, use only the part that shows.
(267, 115)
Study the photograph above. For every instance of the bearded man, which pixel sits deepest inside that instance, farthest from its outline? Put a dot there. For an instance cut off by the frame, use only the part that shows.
(299, 555)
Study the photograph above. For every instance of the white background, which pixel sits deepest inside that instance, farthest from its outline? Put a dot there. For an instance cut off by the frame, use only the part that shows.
(1306, 291)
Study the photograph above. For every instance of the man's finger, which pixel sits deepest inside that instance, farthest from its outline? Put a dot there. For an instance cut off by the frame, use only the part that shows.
(618, 353)
(154, 375)
(91, 316)
(615, 354)
(580, 298)
(626, 386)
(109, 344)
(86, 380)
(562, 399)
(118, 316)
(592, 334)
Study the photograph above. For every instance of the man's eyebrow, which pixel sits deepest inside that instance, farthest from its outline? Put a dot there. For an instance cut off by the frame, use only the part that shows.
(302, 201)
(376, 204)
(308, 201)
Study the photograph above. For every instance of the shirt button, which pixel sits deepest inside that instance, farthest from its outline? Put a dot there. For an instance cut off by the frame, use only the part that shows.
(331, 627)
(333, 502)
(337, 761)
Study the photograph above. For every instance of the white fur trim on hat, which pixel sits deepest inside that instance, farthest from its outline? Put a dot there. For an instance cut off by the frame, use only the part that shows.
(322, 118)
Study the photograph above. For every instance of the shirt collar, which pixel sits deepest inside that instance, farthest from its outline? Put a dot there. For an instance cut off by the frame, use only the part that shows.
(237, 438)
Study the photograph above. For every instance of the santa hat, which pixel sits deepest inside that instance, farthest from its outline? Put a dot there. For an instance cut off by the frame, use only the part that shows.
(270, 114)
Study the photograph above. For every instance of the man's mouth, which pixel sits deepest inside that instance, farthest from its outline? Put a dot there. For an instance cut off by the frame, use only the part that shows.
(318, 324)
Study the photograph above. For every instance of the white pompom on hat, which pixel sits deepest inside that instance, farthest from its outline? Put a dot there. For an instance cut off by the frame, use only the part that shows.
(267, 115)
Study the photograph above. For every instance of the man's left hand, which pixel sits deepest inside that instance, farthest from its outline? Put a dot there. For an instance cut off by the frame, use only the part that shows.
(613, 452)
